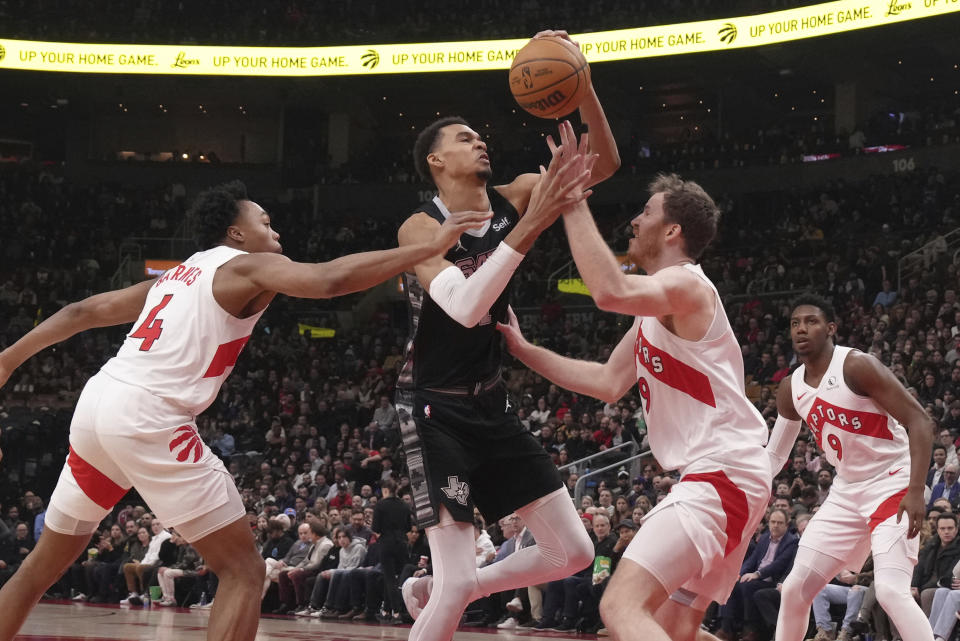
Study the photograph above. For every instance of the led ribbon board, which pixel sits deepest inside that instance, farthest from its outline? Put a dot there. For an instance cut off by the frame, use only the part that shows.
(623, 44)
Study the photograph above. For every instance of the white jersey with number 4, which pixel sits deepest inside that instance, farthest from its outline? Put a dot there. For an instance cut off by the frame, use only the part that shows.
(693, 393)
(858, 437)
(184, 344)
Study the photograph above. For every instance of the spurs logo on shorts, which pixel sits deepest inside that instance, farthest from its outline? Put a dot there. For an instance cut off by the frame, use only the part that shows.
(186, 441)
(456, 490)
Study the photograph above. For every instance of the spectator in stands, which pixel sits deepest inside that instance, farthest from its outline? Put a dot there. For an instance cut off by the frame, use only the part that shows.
(135, 573)
(132, 558)
(187, 563)
(936, 562)
(352, 553)
(292, 580)
(358, 526)
(386, 417)
(767, 565)
(843, 590)
(946, 439)
(948, 488)
(14, 551)
(293, 552)
(935, 476)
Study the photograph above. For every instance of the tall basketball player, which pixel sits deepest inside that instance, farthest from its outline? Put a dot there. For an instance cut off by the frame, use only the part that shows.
(878, 438)
(464, 444)
(134, 425)
(683, 355)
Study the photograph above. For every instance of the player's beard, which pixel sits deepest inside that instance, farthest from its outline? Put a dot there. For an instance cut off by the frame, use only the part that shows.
(485, 174)
(643, 250)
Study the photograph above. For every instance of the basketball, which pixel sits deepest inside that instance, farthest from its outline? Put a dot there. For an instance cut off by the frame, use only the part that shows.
(549, 77)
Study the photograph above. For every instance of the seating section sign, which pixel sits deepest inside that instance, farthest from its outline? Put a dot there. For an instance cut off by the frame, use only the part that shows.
(481, 55)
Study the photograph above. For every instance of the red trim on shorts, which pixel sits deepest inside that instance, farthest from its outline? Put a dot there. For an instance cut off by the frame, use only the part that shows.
(734, 503)
(887, 509)
(98, 487)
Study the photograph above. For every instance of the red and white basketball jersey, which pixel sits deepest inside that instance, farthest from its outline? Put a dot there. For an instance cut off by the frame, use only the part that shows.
(693, 392)
(856, 435)
(184, 344)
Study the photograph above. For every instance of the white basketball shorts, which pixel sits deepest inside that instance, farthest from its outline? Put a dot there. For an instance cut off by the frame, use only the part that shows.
(858, 517)
(694, 541)
(123, 436)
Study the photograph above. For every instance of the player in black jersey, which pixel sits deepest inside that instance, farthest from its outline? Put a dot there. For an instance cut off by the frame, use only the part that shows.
(464, 444)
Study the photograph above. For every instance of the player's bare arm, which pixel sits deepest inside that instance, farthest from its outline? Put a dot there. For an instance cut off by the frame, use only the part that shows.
(786, 429)
(100, 310)
(673, 291)
(602, 143)
(606, 381)
(867, 376)
(248, 276)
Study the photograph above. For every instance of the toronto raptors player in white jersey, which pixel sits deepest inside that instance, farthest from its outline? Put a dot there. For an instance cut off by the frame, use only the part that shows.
(135, 425)
(685, 359)
(879, 439)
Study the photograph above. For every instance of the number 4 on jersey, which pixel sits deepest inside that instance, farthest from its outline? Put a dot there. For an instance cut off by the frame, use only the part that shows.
(152, 327)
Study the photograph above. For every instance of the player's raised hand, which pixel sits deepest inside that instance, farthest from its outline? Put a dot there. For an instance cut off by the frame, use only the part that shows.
(557, 33)
(912, 505)
(511, 332)
(563, 184)
(456, 224)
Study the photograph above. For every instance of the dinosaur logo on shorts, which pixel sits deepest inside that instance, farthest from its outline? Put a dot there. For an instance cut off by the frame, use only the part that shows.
(456, 490)
(187, 440)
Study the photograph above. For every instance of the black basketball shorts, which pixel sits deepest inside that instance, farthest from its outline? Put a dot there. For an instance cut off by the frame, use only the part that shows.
(466, 450)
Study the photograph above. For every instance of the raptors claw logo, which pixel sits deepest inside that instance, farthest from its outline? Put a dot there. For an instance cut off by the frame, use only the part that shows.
(190, 440)
(728, 33)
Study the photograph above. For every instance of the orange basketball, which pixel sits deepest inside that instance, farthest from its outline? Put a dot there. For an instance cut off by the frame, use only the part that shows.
(549, 77)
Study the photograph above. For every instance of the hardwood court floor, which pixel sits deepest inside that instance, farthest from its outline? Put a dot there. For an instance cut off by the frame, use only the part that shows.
(85, 622)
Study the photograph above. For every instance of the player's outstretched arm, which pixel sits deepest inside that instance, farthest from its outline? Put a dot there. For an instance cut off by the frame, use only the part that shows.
(785, 430)
(355, 272)
(867, 376)
(602, 141)
(670, 291)
(606, 381)
(100, 310)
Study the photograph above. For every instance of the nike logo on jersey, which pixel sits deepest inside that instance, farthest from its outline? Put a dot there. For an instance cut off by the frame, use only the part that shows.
(801, 396)
(895, 471)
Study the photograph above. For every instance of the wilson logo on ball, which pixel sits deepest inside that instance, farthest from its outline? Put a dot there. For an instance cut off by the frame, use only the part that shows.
(728, 33)
(554, 99)
(370, 59)
(187, 441)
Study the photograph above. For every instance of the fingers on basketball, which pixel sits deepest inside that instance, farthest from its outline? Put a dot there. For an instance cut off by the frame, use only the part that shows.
(549, 77)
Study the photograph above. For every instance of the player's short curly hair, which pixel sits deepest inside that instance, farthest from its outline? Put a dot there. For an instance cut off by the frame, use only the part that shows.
(688, 205)
(815, 300)
(214, 210)
(427, 142)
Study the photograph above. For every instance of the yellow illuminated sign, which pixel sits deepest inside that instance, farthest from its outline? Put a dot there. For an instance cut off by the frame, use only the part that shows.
(572, 286)
(315, 332)
(623, 44)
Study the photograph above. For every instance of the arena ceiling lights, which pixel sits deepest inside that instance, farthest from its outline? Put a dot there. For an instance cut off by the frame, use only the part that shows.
(622, 44)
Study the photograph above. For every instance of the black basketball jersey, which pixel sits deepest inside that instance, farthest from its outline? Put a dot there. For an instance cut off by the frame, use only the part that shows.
(442, 353)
